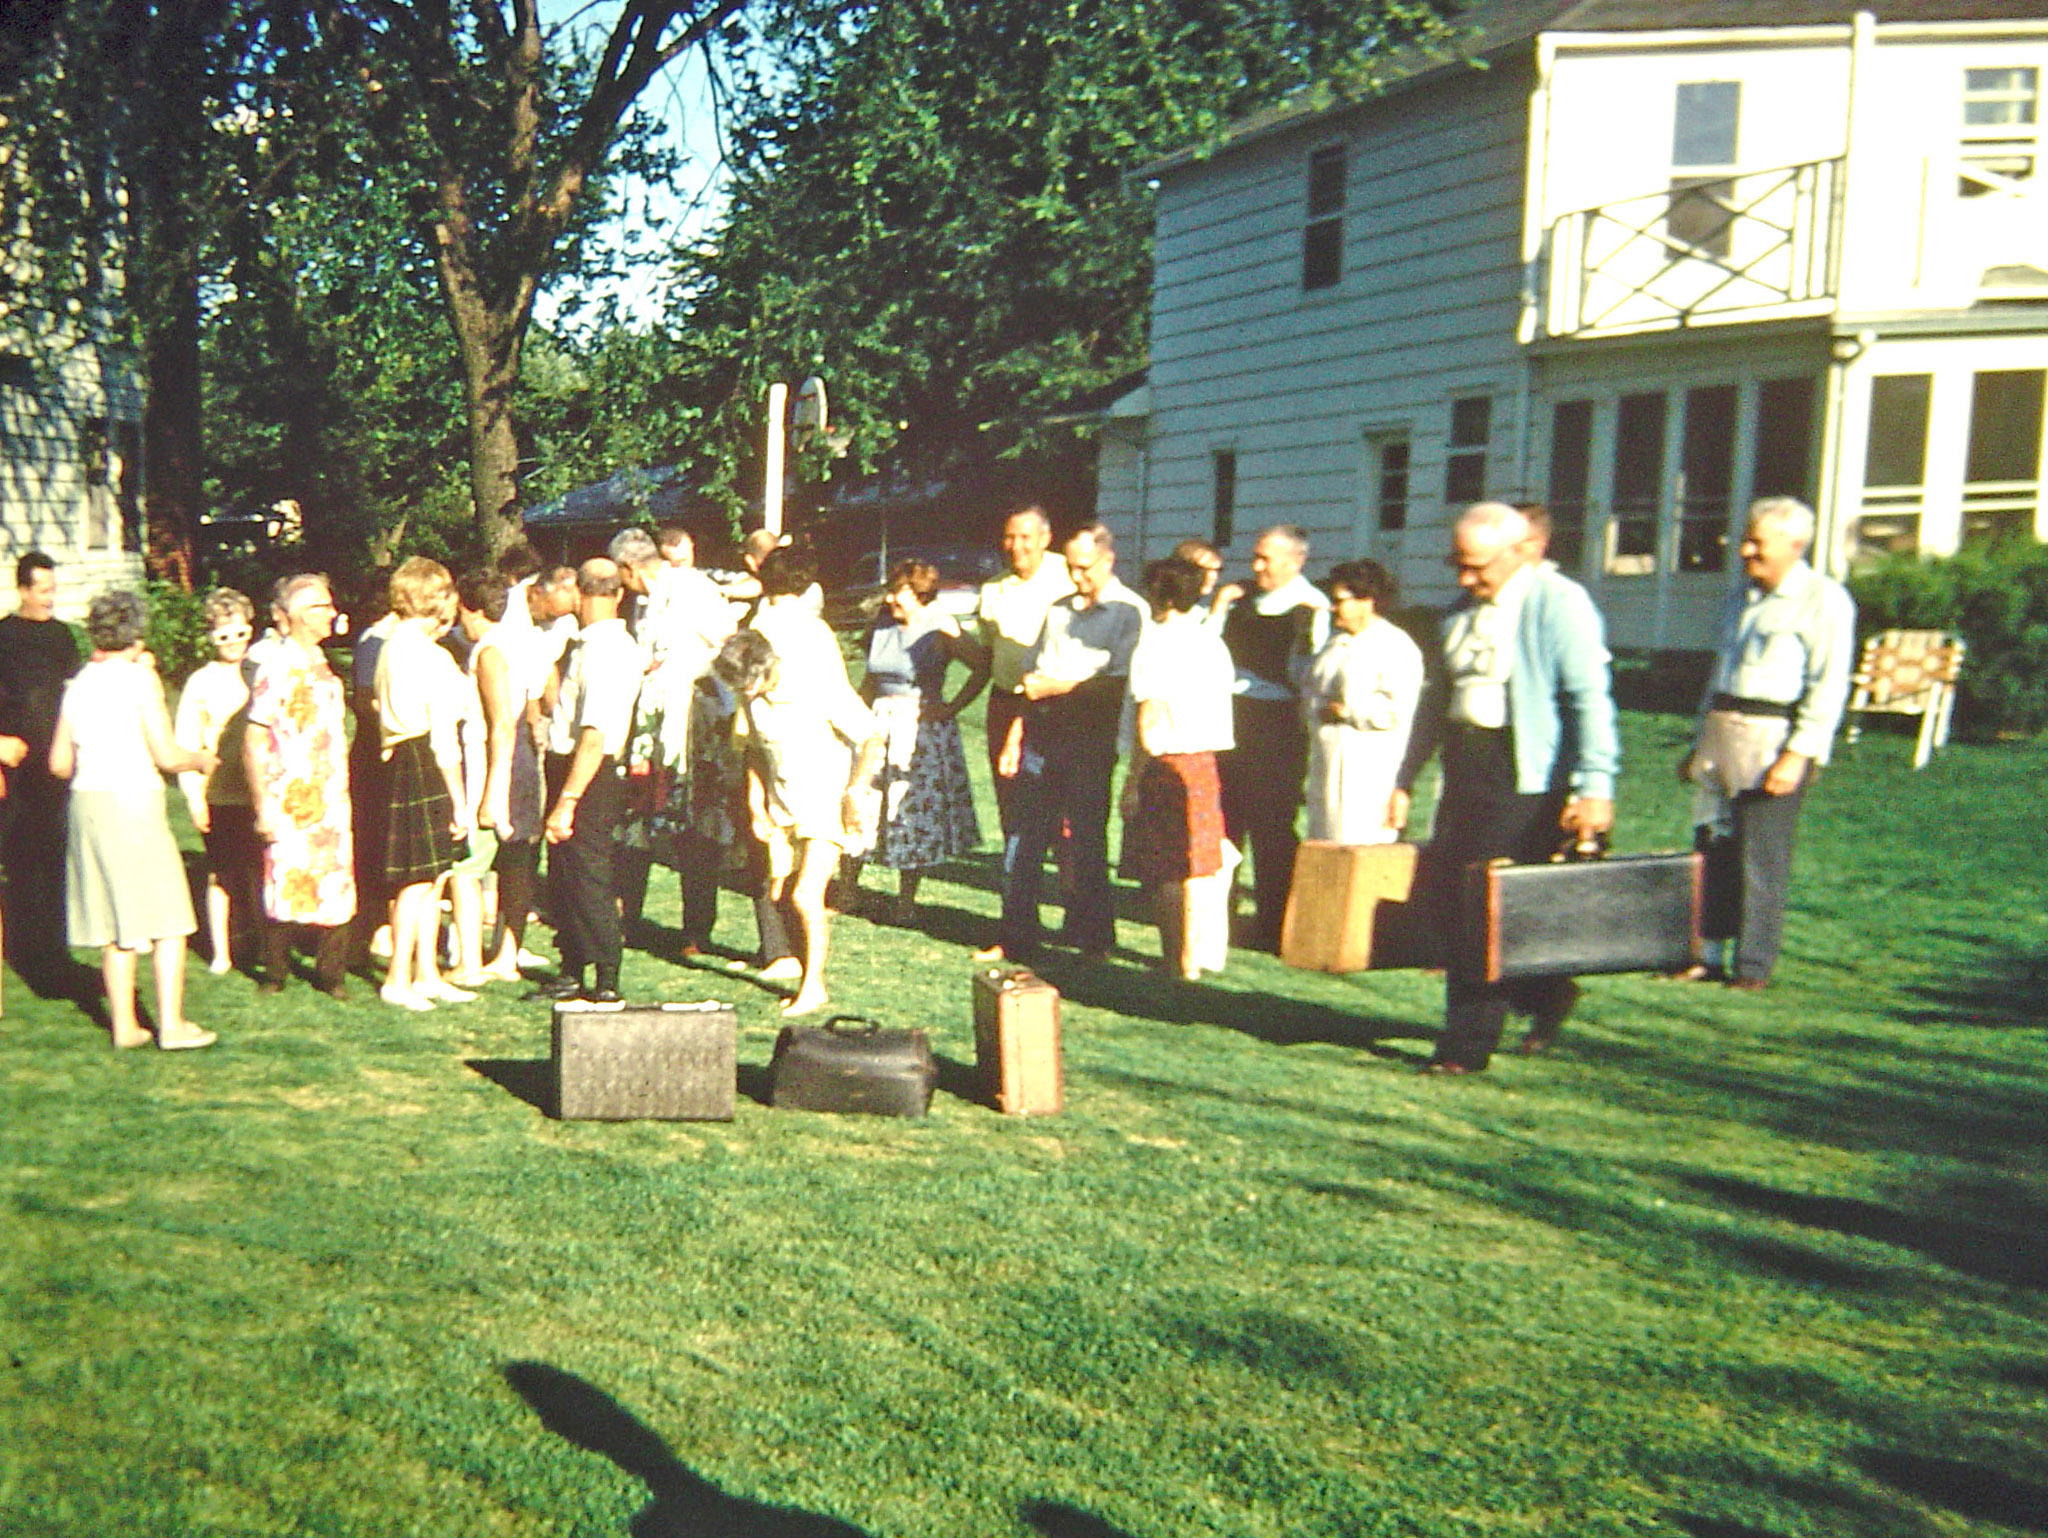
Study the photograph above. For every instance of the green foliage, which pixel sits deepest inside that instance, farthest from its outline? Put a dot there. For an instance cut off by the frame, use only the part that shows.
(1725, 1264)
(177, 630)
(930, 206)
(1997, 597)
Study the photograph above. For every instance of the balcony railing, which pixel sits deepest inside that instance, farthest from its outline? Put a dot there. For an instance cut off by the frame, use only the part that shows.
(1705, 250)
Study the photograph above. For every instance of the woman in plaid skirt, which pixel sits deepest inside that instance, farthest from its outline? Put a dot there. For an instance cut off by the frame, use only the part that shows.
(422, 700)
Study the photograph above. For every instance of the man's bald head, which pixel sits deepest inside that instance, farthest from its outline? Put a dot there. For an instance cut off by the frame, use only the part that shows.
(1491, 544)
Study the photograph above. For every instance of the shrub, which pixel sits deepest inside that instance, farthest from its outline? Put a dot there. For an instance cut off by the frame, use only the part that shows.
(1998, 599)
(177, 630)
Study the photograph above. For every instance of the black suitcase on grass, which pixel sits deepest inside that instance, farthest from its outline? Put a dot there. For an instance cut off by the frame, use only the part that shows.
(852, 1065)
(1633, 913)
(663, 1062)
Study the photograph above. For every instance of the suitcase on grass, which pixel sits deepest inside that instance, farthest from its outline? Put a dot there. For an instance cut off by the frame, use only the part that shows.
(1349, 910)
(852, 1065)
(1017, 1041)
(662, 1062)
(1634, 913)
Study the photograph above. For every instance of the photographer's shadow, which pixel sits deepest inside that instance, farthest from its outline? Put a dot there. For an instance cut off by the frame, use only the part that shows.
(683, 1504)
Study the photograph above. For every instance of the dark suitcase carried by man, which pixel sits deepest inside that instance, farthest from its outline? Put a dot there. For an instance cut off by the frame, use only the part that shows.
(852, 1065)
(662, 1062)
(1352, 907)
(1633, 913)
(1017, 1041)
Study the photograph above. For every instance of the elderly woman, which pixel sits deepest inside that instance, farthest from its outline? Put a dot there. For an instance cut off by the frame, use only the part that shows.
(927, 801)
(125, 888)
(213, 714)
(422, 701)
(1359, 698)
(1178, 718)
(295, 755)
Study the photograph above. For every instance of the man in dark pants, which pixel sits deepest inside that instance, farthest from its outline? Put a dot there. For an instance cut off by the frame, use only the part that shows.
(1781, 678)
(587, 733)
(1062, 752)
(1522, 708)
(37, 658)
(1273, 632)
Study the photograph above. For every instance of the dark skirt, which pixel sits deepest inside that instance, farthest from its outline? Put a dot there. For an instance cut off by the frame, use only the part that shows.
(1178, 832)
(419, 844)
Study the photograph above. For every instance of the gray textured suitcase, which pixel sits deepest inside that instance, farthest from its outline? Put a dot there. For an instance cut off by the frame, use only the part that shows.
(660, 1062)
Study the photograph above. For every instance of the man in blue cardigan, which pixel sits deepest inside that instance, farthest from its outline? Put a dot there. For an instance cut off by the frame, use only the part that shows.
(1522, 710)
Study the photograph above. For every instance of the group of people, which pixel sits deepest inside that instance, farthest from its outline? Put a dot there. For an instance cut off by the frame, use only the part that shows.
(716, 731)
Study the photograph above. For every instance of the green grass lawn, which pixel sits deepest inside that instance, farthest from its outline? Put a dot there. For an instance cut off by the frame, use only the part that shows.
(1728, 1266)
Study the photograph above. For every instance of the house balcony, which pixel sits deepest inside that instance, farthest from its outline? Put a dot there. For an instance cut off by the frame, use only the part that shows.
(1704, 251)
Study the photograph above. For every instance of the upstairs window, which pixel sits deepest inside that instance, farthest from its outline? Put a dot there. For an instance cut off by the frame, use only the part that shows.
(1704, 133)
(1465, 463)
(2001, 129)
(1322, 237)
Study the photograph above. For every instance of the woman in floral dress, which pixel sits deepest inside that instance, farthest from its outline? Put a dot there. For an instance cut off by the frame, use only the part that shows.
(927, 810)
(297, 756)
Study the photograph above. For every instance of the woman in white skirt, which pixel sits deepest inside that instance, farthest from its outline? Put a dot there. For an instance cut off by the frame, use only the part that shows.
(125, 886)
(1360, 701)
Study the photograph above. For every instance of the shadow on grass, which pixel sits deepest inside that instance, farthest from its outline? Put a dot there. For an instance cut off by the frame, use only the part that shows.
(1056, 1519)
(1973, 1490)
(2010, 992)
(528, 1079)
(1715, 1527)
(682, 1504)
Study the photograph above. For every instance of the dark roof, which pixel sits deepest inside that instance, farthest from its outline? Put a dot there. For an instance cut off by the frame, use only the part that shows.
(1493, 27)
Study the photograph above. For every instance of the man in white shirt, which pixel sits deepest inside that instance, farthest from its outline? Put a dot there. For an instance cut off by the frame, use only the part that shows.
(1062, 751)
(1009, 617)
(1273, 633)
(1767, 724)
(587, 734)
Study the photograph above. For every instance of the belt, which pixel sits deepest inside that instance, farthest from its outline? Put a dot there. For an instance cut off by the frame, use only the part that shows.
(1748, 707)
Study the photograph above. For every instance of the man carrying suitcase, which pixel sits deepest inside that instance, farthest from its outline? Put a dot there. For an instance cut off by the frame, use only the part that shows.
(1521, 706)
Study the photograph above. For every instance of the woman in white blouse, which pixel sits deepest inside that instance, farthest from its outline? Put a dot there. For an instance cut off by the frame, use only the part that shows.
(125, 887)
(1360, 701)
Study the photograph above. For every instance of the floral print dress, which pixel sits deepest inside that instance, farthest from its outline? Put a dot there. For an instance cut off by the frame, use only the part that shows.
(299, 706)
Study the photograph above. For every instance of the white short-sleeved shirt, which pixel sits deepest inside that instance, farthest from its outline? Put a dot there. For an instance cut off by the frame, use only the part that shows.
(1182, 665)
(1011, 613)
(104, 705)
(599, 687)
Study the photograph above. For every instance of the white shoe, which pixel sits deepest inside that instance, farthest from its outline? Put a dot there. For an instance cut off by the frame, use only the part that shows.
(783, 969)
(445, 992)
(405, 998)
(528, 959)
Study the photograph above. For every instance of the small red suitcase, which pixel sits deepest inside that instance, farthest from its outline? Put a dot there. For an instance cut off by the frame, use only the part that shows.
(1017, 1041)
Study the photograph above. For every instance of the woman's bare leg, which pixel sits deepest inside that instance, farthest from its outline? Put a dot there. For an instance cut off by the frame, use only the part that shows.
(217, 926)
(167, 960)
(815, 866)
(117, 971)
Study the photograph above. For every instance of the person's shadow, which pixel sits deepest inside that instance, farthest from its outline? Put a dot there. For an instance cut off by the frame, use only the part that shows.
(683, 1504)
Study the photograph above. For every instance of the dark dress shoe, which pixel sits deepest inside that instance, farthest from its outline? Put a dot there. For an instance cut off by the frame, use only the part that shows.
(604, 996)
(1438, 1067)
(1748, 984)
(560, 991)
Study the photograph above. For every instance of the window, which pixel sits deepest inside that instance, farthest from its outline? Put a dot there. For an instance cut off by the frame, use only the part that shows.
(1389, 463)
(1707, 463)
(1465, 463)
(1571, 473)
(2001, 131)
(1638, 485)
(1894, 466)
(1322, 238)
(17, 372)
(2002, 476)
(1703, 139)
(1784, 439)
(128, 481)
(1223, 497)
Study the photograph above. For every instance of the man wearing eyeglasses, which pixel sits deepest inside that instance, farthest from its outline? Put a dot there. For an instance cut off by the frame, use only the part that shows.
(1522, 711)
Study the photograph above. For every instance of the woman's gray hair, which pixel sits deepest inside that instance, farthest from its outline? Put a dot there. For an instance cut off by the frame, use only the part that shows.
(635, 548)
(116, 621)
(1789, 514)
(744, 662)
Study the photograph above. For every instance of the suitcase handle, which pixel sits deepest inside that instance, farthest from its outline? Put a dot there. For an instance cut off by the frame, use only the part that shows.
(853, 1025)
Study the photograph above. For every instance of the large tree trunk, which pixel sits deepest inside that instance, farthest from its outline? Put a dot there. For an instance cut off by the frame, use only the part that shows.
(488, 390)
(172, 436)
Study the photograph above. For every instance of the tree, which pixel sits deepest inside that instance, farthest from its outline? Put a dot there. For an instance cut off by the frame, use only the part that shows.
(929, 202)
(500, 127)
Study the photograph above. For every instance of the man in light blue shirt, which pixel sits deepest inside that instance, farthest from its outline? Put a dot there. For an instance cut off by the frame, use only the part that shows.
(1787, 647)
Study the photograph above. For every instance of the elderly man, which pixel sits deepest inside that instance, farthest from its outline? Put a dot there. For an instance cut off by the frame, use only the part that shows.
(587, 734)
(1062, 750)
(682, 622)
(1787, 648)
(1010, 615)
(1273, 634)
(1523, 711)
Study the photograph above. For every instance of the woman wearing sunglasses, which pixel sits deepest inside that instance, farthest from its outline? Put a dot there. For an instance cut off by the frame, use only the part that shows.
(213, 715)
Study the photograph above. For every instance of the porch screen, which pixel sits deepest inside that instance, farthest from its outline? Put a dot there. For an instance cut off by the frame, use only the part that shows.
(2002, 477)
(1707, 463)
(1638, 484)
(1571, 474)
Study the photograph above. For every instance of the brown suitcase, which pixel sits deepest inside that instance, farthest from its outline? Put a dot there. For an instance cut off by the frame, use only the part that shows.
(1348, 909)
(1017, 1041)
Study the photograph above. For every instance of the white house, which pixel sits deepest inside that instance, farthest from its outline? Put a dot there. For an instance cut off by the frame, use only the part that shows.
(1643, 261)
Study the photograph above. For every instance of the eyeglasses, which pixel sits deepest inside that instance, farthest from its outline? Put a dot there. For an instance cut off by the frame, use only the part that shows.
(231, 633)
(1478, 568)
